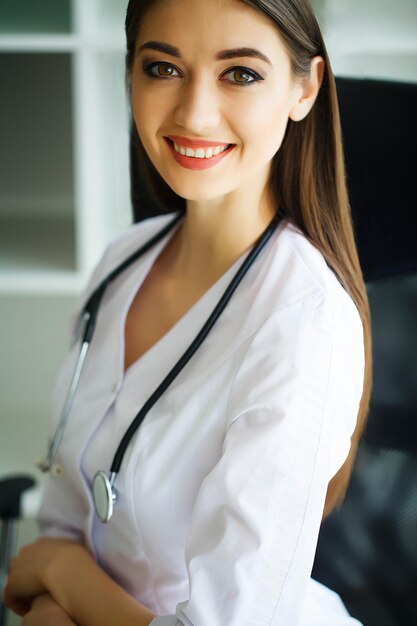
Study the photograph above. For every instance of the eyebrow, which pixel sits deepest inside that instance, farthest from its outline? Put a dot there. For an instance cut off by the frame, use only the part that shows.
(220, 56)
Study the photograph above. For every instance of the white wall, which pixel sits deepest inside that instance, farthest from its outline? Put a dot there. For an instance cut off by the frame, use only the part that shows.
(370, 38)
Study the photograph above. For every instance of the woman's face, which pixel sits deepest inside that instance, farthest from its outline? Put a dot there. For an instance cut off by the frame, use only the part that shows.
(188, 83)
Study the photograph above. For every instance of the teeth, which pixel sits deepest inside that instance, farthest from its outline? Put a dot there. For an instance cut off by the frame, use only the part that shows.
(200, 153)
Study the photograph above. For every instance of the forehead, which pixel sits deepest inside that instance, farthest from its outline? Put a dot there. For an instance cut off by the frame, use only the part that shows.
(202, 27)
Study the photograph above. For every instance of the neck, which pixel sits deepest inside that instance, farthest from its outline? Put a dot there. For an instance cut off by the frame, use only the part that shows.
(214, 235)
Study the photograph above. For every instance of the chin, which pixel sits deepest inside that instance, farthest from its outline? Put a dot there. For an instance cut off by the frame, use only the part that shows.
(197, 191)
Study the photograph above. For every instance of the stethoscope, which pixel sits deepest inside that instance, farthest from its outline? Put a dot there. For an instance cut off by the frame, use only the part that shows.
(104, 494)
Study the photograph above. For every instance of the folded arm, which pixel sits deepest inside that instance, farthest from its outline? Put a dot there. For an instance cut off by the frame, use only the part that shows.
(68, 572)
(46, 612)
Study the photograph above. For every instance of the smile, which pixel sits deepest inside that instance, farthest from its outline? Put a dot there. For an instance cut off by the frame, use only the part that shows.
(198, 158)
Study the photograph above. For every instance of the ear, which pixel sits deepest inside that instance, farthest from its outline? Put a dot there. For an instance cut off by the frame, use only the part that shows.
(308, 90)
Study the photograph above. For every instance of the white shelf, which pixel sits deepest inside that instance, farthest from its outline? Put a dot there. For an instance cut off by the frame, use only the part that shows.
(62, 43)
(39, 43)
(45, 283)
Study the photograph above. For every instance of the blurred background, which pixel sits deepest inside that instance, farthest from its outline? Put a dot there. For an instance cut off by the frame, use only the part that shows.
(64, 177)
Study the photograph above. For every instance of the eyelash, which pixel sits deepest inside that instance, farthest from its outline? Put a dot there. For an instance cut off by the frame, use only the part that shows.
(254, 75)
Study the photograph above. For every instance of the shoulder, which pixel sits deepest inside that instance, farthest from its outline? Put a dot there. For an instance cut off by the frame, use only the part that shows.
(312, 270)
(303, 347)
(292, 272)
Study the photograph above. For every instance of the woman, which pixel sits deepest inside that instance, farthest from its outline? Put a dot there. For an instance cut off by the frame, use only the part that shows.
(223, 487)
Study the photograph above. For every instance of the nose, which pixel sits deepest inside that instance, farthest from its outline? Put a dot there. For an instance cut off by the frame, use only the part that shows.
(198, 106)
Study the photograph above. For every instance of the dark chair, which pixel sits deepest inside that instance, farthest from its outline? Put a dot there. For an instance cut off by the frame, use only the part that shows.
(11, 491)
(367, 550)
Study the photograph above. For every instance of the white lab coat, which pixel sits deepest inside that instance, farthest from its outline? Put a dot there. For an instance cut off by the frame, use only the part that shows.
(221, 491)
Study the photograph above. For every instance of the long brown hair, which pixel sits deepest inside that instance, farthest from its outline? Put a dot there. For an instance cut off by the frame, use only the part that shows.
(308, 179)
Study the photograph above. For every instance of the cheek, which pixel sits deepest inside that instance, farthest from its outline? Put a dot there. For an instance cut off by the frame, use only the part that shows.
(149, 114)
(142, 114)
(264, 135)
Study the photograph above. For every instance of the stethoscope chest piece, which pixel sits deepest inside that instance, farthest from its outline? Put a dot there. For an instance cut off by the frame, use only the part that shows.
(103, 495)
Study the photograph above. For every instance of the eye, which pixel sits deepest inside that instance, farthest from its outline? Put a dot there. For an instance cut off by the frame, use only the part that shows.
(162, 70)
(244, 76)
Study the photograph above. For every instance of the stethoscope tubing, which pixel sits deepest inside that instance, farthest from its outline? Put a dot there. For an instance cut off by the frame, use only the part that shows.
(94, 301)
(103, 485)
(47, 463)
(193, 347)
(88, 318)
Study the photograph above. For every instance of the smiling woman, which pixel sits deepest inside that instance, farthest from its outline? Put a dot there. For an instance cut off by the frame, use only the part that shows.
(238, 326)
(194, 87)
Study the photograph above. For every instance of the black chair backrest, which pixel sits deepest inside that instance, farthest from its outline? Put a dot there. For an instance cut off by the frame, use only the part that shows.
(367, 551)
(379, 125)
(11, 492)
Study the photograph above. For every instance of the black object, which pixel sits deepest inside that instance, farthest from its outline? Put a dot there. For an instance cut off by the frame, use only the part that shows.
(379, 125)
(11, 491)
(367, 551)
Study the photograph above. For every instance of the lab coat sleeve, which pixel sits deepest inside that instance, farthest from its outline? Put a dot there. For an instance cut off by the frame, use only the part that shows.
(292, 408)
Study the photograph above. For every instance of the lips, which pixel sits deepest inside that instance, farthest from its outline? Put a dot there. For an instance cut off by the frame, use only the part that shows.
(194, 163)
